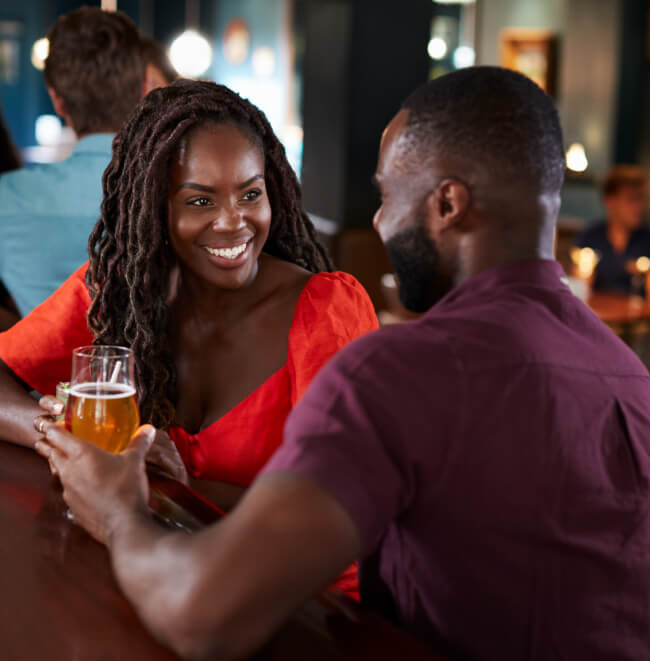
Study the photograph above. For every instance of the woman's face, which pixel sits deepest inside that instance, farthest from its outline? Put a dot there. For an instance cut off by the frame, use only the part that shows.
(219, 212)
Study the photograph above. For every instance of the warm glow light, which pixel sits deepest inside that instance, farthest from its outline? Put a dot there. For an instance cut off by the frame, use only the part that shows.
(464, 56)
(643, 265)
(47, 129)
(437, 48)
(40, 51)
(191, 54)
(576, 159)
(263, 61)
(586, 260)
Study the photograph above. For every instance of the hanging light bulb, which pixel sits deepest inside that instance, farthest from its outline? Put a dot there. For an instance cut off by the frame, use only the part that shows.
(191, 54)
(40, 51)
(576, 159)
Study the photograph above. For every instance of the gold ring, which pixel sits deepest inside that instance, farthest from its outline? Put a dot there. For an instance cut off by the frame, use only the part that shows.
(41, 422)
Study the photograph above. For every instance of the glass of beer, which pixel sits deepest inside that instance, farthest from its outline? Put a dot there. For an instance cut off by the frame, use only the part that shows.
(102, 406)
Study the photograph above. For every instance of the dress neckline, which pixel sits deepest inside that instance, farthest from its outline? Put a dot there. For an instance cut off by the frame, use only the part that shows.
(262, 385)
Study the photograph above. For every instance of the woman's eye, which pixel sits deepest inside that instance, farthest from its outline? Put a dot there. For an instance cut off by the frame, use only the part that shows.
(199, 202)
(252, 195)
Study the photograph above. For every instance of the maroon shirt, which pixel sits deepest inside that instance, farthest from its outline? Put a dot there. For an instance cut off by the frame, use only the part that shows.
(495, 456)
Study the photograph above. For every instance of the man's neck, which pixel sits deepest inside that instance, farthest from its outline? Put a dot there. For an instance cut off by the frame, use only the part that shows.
(493, 249)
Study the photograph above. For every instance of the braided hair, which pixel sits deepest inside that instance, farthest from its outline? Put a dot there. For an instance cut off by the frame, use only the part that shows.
(131, 257)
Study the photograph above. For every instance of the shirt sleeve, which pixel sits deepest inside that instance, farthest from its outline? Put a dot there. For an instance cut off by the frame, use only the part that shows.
(341, 436)
(38, 349)
(333, 310)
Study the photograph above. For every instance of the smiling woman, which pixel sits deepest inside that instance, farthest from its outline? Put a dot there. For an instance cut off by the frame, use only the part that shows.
(206, 265)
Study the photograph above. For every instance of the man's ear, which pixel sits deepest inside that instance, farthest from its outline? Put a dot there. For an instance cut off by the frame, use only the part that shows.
(59, 105)
(153, 78)
(447, 206)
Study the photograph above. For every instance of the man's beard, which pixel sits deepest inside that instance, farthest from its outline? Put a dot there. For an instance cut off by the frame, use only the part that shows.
(416, 260)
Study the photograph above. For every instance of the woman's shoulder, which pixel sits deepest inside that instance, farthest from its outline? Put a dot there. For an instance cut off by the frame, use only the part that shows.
(334, 305)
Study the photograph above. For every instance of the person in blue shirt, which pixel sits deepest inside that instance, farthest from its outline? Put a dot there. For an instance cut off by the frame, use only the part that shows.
(95, 76)
(622, 238)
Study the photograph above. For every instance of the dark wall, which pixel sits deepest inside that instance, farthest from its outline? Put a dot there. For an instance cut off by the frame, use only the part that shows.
(633, 72)
(362, 59)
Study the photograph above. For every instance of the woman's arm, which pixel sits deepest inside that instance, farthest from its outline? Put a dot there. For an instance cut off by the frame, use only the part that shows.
(17, 410)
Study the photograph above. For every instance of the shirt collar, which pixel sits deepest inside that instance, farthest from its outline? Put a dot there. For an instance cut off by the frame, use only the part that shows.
(95, 143)
(546, 273)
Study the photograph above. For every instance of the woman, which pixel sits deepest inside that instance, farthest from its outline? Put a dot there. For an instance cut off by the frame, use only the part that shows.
(206, 265)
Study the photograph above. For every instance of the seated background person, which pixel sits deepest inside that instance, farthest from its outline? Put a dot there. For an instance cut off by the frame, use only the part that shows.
(622, 237)
(95, 77)
(489, 462)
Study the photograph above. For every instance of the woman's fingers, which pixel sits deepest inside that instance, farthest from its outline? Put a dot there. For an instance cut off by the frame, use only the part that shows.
(51, 404)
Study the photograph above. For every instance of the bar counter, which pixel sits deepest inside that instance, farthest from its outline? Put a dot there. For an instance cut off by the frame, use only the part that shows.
(60, 602)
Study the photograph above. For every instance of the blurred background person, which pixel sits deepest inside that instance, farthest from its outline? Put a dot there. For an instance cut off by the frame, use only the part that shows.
(159, 71)
(95, 77)
(622, 237)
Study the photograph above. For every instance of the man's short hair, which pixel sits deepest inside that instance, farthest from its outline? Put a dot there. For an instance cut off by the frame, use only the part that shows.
(621, 176)
(155, 53)
(494, 119)
(95, 65)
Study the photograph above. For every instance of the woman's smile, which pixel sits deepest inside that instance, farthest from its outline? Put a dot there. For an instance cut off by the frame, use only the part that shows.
(230, 257)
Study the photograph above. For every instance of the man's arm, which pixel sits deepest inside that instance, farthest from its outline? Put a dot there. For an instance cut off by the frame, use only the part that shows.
(222, 592)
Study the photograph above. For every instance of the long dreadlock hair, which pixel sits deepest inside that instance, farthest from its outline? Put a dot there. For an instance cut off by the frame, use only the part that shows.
(130, 252)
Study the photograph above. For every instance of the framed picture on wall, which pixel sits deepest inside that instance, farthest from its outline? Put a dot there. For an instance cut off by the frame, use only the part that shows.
(531, 52)
(10, 35)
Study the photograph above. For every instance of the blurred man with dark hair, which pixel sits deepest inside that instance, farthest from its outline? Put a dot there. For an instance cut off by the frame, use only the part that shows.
(622, 238)
(489, 464)
(95, 77)
(159, 70)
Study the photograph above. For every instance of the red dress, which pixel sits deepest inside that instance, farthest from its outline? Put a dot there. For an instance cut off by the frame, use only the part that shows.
(332, 310)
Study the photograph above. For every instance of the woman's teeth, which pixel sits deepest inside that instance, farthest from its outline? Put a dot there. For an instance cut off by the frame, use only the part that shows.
(227, 253)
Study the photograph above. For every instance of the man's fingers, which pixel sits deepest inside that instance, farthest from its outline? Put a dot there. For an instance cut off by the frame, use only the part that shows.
(61, 439)
(51, 404)
(141, 442)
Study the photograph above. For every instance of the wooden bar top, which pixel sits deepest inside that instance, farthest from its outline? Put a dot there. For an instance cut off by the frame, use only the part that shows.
(60, 602)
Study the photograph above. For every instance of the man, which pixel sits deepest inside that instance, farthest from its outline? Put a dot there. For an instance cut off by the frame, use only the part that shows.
(621, 239)
(488, 464)
(95, 77)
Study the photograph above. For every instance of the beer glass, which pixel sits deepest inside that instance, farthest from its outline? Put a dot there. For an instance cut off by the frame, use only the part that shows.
(102, 406)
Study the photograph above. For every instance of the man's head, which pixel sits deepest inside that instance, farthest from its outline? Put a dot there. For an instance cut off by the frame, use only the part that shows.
(95, 69)
(159, 70)
(470, 172)
(624, 191)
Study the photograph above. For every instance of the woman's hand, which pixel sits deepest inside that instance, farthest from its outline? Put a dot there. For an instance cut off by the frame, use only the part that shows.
(164, 454)
(51, 407)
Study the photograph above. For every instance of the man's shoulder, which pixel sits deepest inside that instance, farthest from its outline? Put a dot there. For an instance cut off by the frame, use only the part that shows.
(67, 188)
(396, 349)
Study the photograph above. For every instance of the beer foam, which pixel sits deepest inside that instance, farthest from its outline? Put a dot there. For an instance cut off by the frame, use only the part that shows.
(102, 390)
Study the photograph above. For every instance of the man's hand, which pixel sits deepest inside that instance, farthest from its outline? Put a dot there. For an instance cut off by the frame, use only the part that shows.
(103, 490)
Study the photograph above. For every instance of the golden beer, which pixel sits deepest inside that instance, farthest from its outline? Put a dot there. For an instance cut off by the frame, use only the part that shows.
(105, 414)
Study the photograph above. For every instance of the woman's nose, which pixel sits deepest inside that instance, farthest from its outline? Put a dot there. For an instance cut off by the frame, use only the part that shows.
(228, 219)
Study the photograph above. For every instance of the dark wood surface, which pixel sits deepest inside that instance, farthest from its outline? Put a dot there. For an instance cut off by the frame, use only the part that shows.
(619, 309)
(59, 600)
